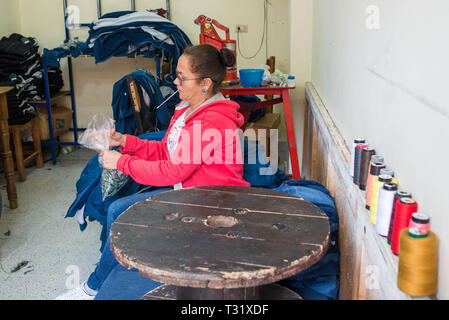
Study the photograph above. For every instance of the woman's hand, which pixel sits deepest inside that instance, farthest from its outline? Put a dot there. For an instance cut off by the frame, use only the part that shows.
(117, 139)
(110, 159)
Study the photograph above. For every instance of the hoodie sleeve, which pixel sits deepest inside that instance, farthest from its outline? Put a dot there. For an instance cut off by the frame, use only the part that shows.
(144, 149)
(190, 153)
(155, 173)
(178, 167)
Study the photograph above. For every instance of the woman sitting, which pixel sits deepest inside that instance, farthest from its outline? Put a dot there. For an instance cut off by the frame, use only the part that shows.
(201, 147)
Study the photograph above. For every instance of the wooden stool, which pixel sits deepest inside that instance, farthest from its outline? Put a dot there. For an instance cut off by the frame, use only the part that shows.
(267, 122)
(35, 154)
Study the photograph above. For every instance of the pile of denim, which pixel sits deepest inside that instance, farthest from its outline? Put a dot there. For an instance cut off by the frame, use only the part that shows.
(19, 110)
(152, 91)
(21, 68)
(126, 33)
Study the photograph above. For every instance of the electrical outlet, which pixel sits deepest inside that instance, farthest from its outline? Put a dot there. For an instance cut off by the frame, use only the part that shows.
(242, 28)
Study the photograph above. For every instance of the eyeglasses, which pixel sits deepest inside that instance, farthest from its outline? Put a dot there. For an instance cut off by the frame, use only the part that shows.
(181, 80)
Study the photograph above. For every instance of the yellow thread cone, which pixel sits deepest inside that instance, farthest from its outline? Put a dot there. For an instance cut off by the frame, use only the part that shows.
(418, 264)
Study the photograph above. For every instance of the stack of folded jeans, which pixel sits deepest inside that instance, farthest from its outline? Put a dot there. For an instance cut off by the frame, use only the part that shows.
(21, 68)
(126, 33)
(142, 32)
(36, 91)
(19, 110)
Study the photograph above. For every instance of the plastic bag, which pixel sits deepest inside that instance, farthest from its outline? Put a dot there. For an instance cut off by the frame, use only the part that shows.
(96, 137)
(112, 180)
(266, 74)
(279, 78)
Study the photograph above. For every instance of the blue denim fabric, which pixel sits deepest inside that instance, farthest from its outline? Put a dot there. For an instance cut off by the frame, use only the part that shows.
(257, 170)
(124, 284)
(116, 14)
(52, 57)
(255, 114)
(89, 191)
(122, 108)
(117, 43)
(107, 260)
(317, 194)
(322, 280)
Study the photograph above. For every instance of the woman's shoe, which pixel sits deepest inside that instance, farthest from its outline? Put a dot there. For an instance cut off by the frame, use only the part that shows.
(83, 292)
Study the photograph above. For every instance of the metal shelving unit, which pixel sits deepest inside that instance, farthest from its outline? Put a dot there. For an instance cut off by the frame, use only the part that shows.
(52, 142)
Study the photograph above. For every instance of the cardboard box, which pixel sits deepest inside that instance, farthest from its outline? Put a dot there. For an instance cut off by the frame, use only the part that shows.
(62, 120)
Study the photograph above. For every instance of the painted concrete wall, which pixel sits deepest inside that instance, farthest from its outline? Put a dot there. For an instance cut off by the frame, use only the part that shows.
(300, 36)
(381, 69)
(9, 17)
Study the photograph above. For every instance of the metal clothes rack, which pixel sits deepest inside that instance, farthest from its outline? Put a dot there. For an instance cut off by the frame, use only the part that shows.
(52, 143)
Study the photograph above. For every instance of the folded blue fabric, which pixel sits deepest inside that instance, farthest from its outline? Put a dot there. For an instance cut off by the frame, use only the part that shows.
(117, 40)
(116, 14)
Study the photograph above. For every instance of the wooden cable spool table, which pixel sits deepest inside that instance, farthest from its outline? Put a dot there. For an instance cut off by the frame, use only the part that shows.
(220, 242)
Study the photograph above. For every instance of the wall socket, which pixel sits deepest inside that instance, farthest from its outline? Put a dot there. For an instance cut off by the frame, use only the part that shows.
(243, 28)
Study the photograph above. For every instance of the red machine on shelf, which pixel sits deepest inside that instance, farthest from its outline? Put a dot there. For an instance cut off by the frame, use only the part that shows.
(210, 36)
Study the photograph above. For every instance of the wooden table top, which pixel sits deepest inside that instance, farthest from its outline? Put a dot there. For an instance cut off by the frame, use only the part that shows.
(239, 87)
(220, 237)
(5, 89)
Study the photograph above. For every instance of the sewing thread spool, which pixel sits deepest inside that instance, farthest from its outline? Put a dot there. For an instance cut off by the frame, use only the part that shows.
(351, 164)
(419, 225)
(384, 207)
(377, 158)
(389, 172)
(399, 194)
(418, 264)
(367, 153)
(357, 161)
(373, 174)
(377, 184)
(404, 210)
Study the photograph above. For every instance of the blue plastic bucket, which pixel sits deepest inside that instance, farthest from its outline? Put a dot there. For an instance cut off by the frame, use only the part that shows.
(251, 78)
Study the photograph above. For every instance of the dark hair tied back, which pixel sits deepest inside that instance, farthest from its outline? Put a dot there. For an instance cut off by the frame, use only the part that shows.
(227, 57)
(207, 61)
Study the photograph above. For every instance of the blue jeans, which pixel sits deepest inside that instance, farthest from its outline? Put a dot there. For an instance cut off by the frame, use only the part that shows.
(107, 260)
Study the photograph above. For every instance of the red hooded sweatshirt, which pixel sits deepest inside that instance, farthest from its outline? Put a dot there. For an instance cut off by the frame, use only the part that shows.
(208, 151)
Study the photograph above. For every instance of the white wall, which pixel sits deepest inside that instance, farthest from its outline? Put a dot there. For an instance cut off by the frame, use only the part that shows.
(9, 17)
(389, 85)
(300, 36)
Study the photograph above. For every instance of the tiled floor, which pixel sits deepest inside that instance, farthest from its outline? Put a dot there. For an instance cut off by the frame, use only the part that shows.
(54, 253)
